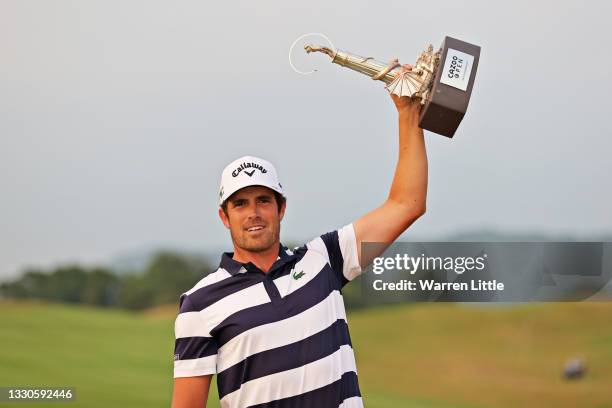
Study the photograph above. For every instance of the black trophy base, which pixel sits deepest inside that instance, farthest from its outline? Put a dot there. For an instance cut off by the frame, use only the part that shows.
(452, 87)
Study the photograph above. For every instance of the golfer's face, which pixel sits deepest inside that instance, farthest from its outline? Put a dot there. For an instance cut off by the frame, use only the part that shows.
(254, 219)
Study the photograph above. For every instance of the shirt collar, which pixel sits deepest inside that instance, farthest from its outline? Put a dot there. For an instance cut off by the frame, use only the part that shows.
(233, 266)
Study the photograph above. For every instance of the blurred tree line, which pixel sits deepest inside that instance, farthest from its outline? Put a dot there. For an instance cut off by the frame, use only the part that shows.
(166, 276)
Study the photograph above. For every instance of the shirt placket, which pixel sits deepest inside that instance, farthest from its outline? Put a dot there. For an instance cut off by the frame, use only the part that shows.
(268, 282)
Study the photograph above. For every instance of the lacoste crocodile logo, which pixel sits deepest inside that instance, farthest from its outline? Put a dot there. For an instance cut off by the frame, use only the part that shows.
(250, 174)
(298, 275)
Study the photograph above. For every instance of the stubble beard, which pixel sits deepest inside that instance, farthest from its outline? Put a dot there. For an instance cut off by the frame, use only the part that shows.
(261, 243)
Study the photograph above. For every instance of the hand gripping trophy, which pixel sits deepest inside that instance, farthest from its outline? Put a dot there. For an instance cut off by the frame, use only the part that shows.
(442, 80)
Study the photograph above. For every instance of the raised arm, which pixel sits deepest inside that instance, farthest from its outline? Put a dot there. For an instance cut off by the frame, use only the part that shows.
(408, 194)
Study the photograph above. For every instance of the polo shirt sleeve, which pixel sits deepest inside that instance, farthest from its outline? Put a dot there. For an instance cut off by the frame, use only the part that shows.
(340, 249)
(194, 355)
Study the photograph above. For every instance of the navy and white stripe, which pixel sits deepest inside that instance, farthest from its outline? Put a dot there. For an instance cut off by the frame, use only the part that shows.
(278, 339)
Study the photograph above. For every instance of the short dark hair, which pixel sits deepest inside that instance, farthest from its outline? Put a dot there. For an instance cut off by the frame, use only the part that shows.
(280, 201)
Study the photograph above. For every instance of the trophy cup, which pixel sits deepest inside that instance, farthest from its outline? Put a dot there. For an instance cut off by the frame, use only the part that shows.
(442, 80)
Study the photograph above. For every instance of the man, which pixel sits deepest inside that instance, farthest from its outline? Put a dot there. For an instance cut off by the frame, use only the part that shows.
(271, 322)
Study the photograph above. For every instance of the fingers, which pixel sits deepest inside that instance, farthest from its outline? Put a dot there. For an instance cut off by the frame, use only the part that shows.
(404, 68)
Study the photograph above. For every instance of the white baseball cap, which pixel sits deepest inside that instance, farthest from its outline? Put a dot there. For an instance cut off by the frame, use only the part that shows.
(248, 171)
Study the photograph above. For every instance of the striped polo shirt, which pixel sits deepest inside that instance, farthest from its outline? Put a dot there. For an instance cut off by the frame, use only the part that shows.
(276, 339)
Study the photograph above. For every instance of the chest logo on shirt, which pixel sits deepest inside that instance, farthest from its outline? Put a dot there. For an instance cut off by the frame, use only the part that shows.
(298, 275)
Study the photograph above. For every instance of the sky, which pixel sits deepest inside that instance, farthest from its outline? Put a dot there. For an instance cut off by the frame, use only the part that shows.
(117, 118)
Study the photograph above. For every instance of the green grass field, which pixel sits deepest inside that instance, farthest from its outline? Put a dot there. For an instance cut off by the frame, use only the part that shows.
(421, 355)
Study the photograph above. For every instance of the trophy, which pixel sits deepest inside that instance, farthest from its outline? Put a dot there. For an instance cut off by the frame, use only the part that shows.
(442, 80)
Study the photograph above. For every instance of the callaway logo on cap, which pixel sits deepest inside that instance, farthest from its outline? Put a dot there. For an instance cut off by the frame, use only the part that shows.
(248, 171)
